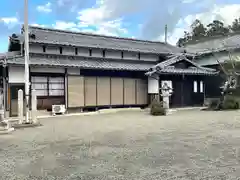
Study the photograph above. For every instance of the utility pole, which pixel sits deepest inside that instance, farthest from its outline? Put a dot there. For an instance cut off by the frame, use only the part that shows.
(166, 29)
(4, 87)
(26, 43)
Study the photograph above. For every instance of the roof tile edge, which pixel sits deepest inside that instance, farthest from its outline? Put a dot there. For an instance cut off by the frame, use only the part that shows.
(98, 35)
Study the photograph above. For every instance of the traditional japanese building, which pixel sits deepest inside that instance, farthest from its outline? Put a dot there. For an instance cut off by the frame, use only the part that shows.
(87, 71)
(212, 51)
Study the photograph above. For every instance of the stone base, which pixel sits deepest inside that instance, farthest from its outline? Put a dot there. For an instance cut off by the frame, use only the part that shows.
(25, 125)
(6, 131)
(170, 111)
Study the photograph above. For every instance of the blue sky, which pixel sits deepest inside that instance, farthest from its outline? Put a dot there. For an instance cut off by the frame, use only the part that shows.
(143, 19)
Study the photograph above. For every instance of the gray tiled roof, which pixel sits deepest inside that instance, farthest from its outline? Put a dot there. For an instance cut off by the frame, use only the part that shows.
(165, 67)
(53, 36)
(193, 71)
(215, 44)
(83, 63)
(9, 54)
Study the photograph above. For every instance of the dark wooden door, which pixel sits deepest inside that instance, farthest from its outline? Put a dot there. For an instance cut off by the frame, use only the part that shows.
(176, 98)
(183, 94)
(198, 93)
(187, 93)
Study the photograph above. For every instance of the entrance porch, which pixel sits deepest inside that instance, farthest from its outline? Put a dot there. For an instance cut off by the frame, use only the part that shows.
(186, 78)
(187, 90)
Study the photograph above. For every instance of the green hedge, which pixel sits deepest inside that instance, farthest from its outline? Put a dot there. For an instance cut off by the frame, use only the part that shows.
(157, 108)
(230, 102)
(214, 104)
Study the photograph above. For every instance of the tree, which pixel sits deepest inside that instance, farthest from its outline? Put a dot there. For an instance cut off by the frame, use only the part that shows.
(198, 30)
(180, 42)
(217, 28)
(235, 27)
(230, 89)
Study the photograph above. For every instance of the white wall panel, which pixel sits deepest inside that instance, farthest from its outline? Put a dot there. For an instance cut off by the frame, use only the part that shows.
(16, 74)
(153, 86)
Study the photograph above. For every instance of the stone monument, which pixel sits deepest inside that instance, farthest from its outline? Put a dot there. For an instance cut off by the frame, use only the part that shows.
(20, 106)
(34, 107)
(166, 92)
(7, 125)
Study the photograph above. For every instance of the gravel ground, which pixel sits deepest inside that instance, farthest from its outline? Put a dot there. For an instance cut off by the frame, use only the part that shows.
(128, 145)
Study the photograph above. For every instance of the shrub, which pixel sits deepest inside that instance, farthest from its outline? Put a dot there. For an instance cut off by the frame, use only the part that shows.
(157, 108)
(214, 104)
(230, 102)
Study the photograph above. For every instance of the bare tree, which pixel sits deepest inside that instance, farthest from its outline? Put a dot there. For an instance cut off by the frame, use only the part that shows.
(229, 69)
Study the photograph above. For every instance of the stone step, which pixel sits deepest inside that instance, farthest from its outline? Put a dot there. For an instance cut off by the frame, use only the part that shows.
(6, 131)
(2, 128)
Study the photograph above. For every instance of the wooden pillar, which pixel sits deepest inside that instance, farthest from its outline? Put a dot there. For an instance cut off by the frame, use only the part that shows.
(182, 90)
(66, 88)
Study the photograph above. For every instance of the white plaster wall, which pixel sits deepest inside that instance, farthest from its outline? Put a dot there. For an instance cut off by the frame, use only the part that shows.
(97, 53)
(153, 86)
(53, 49)
(68, 51)
(73, 71)
(35, 48)
(113, 54)
(83, 51)
(16, 74)
(130, 55)
(148, 57)
(47, 70)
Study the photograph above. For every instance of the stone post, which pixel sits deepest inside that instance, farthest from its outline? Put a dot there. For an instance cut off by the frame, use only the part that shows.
(34, 107)
(166, 102)
(20, 106)
(166, 93)
(1, 107)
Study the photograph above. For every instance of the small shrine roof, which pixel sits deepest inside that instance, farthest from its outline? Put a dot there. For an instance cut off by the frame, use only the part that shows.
(166, 67)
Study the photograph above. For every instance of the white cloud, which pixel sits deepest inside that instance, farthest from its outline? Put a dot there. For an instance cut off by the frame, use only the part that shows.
(10, 21)
(93, 20)
(64, 25)
(111, 28)
(60, 2)
(45, 8)
(100, 18)
(107, 16)
(188, 1)
(38, 25)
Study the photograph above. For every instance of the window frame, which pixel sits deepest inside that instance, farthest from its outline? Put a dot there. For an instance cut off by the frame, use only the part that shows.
(90, 52)
(44, 48)
(60, 50)
(104, 53)
(76, 51)
(48, 84)
(122, 54)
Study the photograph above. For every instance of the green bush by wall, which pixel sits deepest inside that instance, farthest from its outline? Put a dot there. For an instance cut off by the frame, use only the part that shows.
(157, 108)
